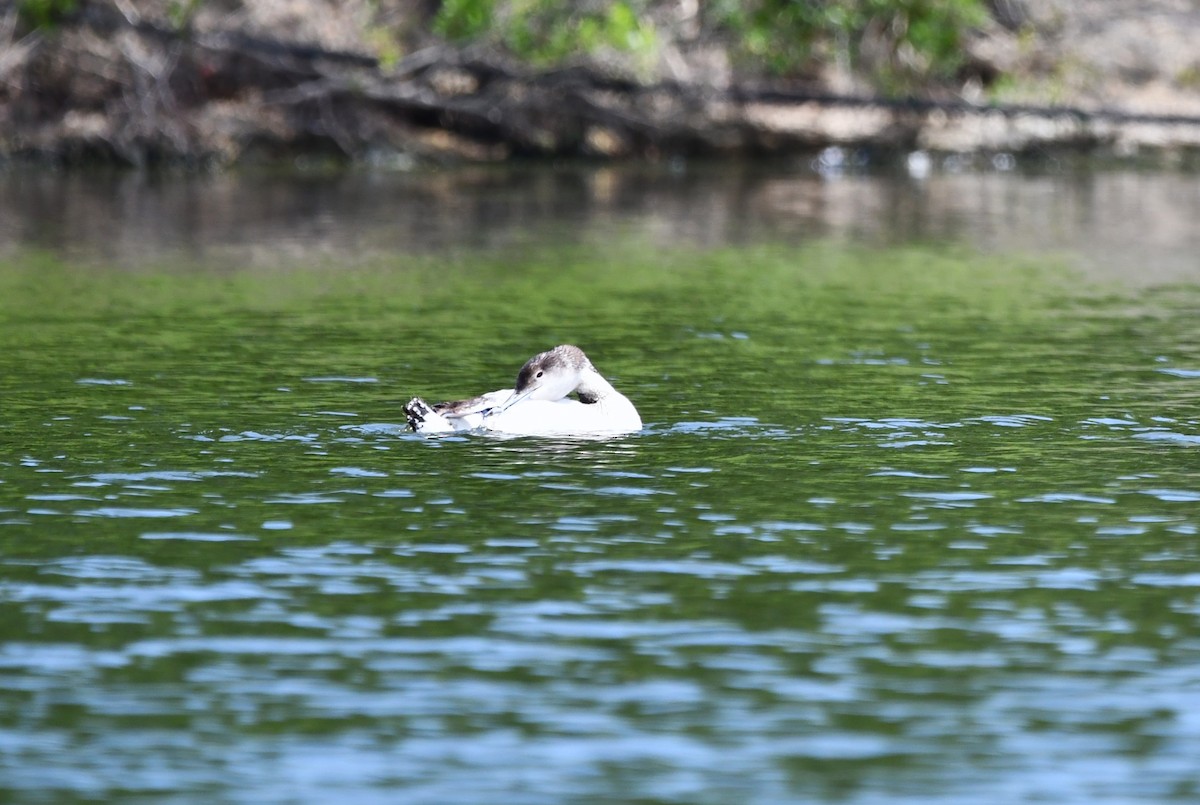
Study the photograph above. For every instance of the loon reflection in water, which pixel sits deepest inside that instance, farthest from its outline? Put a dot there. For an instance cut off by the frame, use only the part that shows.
(538, 405)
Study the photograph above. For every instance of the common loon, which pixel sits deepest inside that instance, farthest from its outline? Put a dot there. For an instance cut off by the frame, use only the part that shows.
(538, 405)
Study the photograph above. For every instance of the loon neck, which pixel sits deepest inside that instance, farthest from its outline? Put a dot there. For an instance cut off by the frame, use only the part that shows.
(593, 387)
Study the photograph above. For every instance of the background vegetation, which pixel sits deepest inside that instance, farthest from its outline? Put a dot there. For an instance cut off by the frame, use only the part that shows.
(218, 81)
(897, 42)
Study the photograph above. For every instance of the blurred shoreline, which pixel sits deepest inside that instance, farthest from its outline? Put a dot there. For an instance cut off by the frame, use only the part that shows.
(117, 82)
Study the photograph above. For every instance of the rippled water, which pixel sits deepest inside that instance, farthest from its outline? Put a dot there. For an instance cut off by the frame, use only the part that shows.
(908, 522)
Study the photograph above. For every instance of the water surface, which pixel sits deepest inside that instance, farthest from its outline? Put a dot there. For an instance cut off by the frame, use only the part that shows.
(913, 517)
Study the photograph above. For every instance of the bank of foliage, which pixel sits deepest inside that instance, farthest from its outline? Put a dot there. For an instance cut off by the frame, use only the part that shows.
(545, 31)
(897, 43)
(44, 13)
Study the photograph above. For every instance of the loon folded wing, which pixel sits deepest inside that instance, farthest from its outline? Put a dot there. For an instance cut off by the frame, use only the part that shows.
(456, 415)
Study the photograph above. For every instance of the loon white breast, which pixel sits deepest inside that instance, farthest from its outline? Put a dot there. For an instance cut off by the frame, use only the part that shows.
(539, 404)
